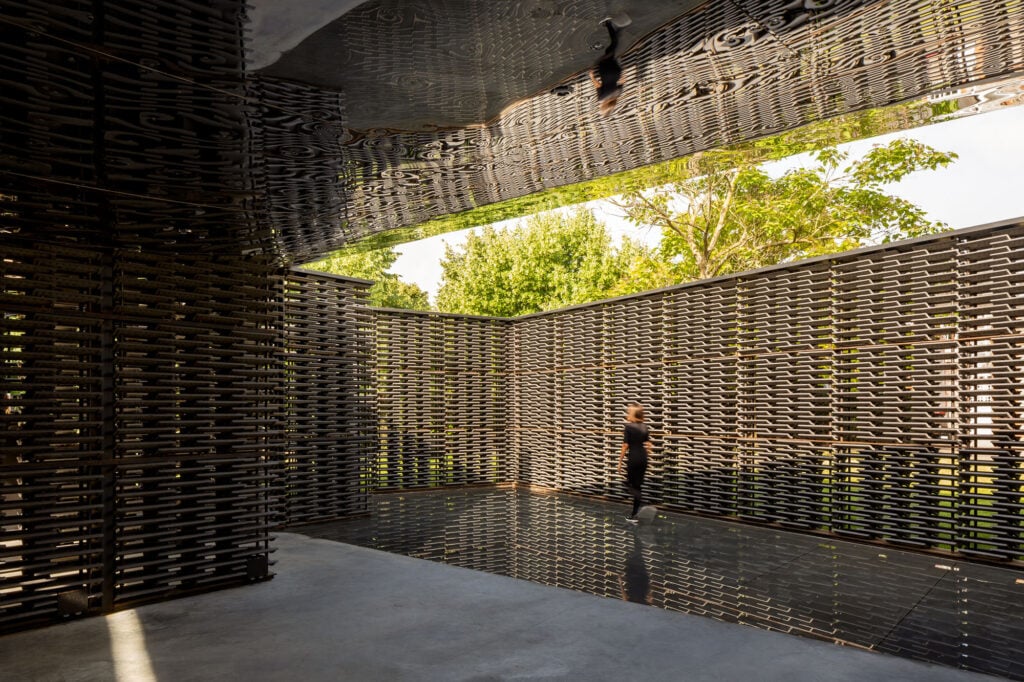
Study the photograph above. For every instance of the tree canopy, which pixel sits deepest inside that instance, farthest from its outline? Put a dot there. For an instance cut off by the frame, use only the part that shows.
(388, 290)
(727, 214)
(551, 261)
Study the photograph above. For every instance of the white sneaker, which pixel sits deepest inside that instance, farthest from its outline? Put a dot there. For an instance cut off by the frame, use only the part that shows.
(632, 519)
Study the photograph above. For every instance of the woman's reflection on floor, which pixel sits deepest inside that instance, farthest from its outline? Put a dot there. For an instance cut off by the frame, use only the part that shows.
(635, 581)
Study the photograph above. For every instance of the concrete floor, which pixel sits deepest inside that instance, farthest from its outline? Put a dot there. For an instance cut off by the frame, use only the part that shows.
(341, 612)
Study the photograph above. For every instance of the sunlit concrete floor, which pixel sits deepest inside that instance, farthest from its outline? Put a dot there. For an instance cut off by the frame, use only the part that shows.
(340, 612)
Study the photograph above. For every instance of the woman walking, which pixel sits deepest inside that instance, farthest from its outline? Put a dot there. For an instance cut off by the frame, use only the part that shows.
(606, 73)
(636, 446)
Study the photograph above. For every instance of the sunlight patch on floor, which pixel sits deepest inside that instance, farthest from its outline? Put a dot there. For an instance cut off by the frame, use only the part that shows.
(128, 648)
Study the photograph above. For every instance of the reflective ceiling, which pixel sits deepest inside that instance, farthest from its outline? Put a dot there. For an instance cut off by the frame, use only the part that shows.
(428, 65)
(291, 129)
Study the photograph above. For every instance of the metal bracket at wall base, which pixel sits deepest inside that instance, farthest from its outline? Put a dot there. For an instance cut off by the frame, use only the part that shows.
(257, 567)
(73, 602)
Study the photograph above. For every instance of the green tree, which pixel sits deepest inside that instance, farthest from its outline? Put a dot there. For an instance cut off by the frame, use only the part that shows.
(726, 214)
(388, 290)
(642, 269)
(550, 261)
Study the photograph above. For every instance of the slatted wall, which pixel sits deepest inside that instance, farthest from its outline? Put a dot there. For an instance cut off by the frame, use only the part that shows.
(700, 364)
(991, 391)
(329, 417)
(161, 415)
(53, 473)
(197, 403)
(877, 395)
(895, 395)
(441, 396)
(534, 413)
(140, 413)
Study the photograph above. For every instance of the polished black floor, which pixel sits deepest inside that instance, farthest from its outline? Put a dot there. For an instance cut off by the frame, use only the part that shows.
(904, 603)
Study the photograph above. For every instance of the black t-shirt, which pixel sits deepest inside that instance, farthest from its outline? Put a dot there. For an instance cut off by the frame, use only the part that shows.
(608, 72)
(635, 435)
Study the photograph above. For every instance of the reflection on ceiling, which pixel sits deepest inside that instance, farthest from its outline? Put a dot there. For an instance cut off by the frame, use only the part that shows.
(277, 27)
(142, 125)
(429, 64)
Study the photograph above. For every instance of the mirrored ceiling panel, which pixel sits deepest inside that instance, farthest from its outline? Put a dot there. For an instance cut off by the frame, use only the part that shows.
(292, 129)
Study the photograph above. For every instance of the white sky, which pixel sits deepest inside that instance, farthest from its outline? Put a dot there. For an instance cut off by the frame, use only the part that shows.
(984, 185)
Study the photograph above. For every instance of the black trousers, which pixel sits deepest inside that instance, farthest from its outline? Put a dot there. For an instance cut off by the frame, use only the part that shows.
(613, 33)
(635, 471)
